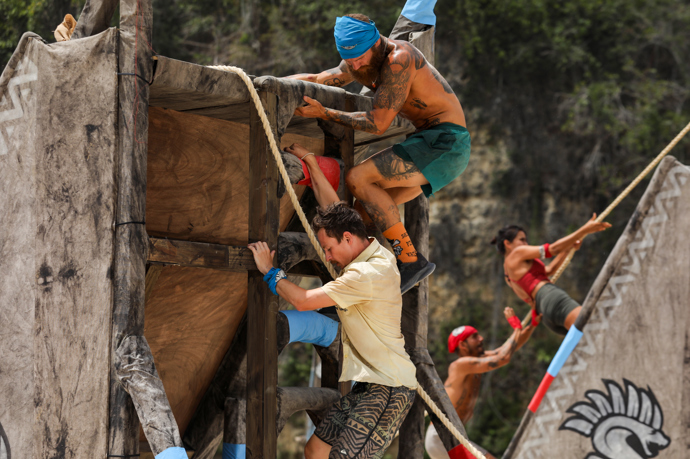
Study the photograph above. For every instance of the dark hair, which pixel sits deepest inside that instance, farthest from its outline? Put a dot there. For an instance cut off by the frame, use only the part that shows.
(359, 17)
(337, 218)
(507, 233)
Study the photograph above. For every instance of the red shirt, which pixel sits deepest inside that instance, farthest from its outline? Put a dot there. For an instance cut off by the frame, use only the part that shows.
(536, 274)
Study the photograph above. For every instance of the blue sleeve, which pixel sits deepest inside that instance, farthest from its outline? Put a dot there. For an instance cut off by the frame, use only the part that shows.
(420, 11)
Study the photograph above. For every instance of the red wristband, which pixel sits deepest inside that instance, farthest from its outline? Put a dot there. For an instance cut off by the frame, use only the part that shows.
(535, 317)
(515, 322)
(547, 253)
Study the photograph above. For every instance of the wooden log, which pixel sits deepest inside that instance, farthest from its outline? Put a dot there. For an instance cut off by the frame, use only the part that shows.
(136, 18)
(235, 424)
(262, 305)
(339, 142)
(205, 430)
(184, 86)
(138, 376)
(199, 255)
(95, 17)
(414, 323)
(291, 94)
(415, 328)
(294, 248)
(317, 400)
(415, 317)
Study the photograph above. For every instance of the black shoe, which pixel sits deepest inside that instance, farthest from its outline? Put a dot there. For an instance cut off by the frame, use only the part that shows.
(413, 273)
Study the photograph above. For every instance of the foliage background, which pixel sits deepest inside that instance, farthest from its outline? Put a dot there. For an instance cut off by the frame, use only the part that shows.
(566, 101)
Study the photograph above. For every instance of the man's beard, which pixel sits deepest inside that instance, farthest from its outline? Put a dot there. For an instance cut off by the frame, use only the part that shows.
(368, 75)
(479, 350)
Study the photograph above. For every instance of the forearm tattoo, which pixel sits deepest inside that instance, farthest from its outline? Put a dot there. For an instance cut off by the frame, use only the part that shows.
(362, 121)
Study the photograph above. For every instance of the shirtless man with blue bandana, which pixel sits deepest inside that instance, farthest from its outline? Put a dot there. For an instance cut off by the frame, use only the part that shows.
(404, 84)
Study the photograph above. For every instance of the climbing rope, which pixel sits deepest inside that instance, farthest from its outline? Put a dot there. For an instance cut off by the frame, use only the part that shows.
(618, 200)
(303, 218)
(625, 193)
(279, 161)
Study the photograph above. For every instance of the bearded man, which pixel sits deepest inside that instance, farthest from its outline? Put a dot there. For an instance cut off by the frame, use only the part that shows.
(404, 84)
(465, 373)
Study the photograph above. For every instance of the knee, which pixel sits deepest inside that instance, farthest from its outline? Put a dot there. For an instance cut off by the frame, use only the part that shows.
(311, 449)
(355, 178)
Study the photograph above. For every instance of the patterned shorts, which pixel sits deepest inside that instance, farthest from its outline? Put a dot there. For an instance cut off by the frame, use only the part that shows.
(364, 422)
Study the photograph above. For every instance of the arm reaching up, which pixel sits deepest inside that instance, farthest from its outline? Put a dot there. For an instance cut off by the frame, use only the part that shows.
(324, 192)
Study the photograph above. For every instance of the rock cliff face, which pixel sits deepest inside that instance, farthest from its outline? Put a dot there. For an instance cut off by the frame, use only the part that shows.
(468, 286)
(463, 217)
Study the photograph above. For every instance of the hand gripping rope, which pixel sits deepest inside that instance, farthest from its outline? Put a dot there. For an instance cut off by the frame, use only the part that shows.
(307, 227)
(626, 192)
(574, 335)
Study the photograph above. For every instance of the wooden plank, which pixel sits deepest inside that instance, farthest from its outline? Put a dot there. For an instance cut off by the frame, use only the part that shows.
(129, 260)
(184, 86)
(205, 430)
(199, 255)
(262, 305)
(191, 318)
(197, 174)
(339, 142)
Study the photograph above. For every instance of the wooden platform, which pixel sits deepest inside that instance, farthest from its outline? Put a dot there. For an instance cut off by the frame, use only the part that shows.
(198, 191)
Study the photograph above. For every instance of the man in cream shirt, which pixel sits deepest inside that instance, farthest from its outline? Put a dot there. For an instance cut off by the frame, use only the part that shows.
(367, 296)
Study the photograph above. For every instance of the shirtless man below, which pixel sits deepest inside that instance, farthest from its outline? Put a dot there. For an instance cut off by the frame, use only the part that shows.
(465, 373)
(404, 84)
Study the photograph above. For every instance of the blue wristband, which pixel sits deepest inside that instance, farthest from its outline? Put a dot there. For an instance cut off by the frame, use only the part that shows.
(270, 274)
(272, 277)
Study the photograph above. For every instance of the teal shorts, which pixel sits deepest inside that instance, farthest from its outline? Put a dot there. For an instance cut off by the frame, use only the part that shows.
(441, 153)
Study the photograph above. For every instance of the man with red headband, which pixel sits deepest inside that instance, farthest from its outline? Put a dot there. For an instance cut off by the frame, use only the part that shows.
(404, 84)
(465, 373)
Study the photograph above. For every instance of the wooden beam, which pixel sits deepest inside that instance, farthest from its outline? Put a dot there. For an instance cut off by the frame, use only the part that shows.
(262, 305)
(200, 255)
(293, 399)
(129, 264)
(339, 142)
(184, 86)
(205, 430)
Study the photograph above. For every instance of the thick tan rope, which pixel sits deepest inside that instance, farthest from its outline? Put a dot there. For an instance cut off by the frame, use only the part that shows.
(279, 161)
(295, 203)
(449, 425)
(618, 200)
(625, 193)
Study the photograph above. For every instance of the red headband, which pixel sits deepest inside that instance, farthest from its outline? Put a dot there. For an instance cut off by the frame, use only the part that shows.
(459, 335)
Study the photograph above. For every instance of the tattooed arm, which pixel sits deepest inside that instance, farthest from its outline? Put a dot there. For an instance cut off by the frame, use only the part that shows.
(396, 77)
(490, 361)
(337, 76)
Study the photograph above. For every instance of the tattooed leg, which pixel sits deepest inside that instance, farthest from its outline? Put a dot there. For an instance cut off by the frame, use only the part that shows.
(381, 183)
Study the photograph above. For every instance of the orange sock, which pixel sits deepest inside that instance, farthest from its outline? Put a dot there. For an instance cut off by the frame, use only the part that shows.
(401, 243)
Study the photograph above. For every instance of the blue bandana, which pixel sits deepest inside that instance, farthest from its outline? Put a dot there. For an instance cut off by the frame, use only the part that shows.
(353, 37)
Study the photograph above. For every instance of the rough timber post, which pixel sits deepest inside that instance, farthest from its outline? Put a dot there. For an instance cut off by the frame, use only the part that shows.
(339, 142)
(129, 260)
(262, 305)
(415, 310)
